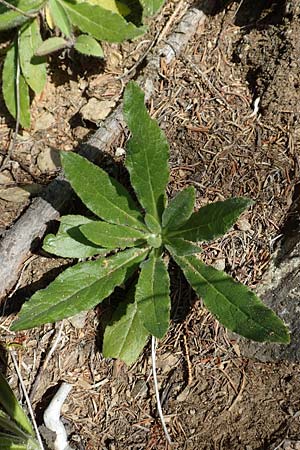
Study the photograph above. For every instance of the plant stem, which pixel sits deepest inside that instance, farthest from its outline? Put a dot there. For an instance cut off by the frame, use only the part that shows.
(14, 8)
(159, 408)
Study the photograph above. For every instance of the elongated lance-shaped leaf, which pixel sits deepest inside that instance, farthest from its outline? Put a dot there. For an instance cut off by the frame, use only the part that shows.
(69, 242)
(153, 296)
(51, 45)
(103, 195)
(147, 153)
(212, 221)
(112, 236)
(11, 406)
(179, 210)
(232, 303)
(125, 336)
(8, 425)
(9, 442)
(152, 224)
(88, 46)
(78, 288)
(101, 23)
(11, 19)
(33, 67)
(60, 17)
(10, 86)
(181, 247)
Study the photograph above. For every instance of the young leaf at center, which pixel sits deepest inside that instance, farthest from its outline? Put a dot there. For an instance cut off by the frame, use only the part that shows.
(112, 236)
(179, 209)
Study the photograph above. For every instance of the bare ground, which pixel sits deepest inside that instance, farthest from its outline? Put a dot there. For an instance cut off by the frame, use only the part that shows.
(213, 398)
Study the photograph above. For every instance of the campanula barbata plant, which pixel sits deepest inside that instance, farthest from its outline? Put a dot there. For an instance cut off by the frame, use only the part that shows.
(132, 240)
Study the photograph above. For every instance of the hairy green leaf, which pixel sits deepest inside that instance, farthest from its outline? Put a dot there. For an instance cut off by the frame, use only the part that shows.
(12, 407)
(180, 209)
(33, 67)
(9, 87)
(150, 7)
(101, 23)
(233, 304)
(147, 153)
(8, 425)
(153, 296)
(125, 336)
(181, 247)
(51, 45)
(78, 288)
(88, 46)
(60, 17)
(154, 240)
(152, 224)
(111, 5)
(69, 242)
(11, 19)
(112, 236)
(103, 195)
(212, 221)
(7, 441)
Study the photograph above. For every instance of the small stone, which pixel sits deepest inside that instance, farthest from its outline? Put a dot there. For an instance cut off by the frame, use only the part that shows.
(44, 121)
(120, 151)
(219, 263)
(78, 321)
(48, 160)
(140, 389)
(96, 110)
(243, 224)
(183, 395)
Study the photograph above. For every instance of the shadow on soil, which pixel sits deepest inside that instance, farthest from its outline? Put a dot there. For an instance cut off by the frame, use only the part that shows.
(250, 13)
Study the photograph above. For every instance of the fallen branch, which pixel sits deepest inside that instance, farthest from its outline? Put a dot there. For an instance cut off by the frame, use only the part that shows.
(20, 240)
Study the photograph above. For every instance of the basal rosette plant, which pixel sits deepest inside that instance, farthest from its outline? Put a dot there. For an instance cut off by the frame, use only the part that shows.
(134, 241)
(77, 24)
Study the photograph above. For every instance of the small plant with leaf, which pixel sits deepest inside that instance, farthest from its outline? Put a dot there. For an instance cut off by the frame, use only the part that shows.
(16, 431)
(132, 241)
(78, 24)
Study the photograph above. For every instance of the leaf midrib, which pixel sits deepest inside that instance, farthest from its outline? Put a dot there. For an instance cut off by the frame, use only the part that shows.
(105, 275)
(117, 208)
(154, 206)
(227, 300)
(124, 344)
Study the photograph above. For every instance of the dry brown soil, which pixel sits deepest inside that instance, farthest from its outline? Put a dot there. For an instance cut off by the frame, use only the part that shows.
(230, 107)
